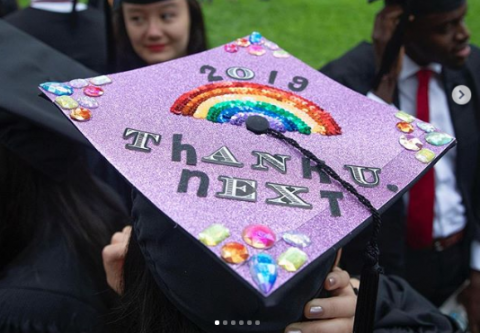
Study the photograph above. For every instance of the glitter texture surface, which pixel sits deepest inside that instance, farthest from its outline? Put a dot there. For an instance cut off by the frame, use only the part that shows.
(142, 100)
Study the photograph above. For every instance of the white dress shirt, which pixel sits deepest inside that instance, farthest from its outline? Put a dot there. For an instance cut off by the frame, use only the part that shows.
(449, 211)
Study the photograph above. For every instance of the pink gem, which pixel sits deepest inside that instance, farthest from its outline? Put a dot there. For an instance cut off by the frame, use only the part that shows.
(231, 48)
(259, 236)
(256, 49)
(93, 91)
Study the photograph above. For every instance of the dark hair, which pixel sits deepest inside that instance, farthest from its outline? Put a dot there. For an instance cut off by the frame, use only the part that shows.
(144, 307)
(33, 205)
(125, 56)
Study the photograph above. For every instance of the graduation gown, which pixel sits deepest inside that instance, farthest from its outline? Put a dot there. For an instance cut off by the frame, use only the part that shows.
(85, 41)
(356, 70)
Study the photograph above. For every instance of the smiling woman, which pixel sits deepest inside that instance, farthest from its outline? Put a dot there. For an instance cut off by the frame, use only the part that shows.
(150, 32)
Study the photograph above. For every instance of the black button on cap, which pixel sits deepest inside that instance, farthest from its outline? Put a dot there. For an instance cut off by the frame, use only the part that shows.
(257, 124)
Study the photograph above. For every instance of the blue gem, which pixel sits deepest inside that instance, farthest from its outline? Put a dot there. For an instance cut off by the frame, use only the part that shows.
(57, 88)
(263, 269)
(255, 38)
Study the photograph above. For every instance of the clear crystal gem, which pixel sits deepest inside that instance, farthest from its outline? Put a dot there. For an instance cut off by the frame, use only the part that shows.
(100, 80)
(87, 102)
(410, 142)
(281, 54)
(296, 238)
(79, 83)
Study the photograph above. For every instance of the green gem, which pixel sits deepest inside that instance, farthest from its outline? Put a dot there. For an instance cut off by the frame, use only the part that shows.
(292, 259)
(438, 139)
(402, 115)
(214, 235)
(66, 102)
(425, 155)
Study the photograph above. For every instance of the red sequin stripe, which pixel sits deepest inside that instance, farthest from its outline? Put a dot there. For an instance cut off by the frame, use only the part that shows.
(187, 103)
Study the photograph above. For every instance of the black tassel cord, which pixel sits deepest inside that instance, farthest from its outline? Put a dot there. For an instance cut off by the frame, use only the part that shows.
(367, 296)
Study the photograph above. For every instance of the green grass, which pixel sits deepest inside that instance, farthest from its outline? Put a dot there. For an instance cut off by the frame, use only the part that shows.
(315, 31)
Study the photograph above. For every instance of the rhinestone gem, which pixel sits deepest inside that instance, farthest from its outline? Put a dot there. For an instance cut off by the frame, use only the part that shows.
(438, 139)
(243, 42)
(214, 235)
(57, 88)
(256, 50)
(255, 38)
(231, 48)
(234, 253)
(272, 46)
(425, 155)
(259, 236)
(281, 54)
(410, 142)
(66, 102)
(93, 91)
(402, 115)
(81, 114)
(292, 259)
(296, 238)
(426, 127)
(79, 83)
(100, 80)
(405, 127)
(87, 102)
(264, 271)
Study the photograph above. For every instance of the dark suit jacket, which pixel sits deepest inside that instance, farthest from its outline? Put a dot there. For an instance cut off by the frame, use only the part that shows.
(356, 70)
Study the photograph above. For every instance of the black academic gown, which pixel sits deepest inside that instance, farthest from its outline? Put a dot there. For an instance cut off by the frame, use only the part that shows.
(85, 41)
(49, 288)
(356, 70)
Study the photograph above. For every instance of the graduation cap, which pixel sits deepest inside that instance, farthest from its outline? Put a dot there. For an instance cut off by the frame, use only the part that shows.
(417, 8)
(240, 226)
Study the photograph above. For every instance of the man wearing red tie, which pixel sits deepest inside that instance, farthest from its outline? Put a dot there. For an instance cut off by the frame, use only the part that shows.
(419, 55)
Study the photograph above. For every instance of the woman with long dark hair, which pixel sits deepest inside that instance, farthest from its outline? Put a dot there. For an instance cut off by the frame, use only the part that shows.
(149, 32)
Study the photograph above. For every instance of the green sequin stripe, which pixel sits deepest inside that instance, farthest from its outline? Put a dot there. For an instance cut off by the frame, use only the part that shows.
(216, 110)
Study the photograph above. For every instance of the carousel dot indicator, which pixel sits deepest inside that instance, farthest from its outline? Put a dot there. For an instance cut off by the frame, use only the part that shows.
(259, 236)
(410, 142)
(405, 127)
(438, 139)
(234, 253)
(57, 88)
(263, 270)
(402, 115)
(214, 235)
(425, 155)
(66, 102)
(93, 91)
(292, 259)
(81, 114)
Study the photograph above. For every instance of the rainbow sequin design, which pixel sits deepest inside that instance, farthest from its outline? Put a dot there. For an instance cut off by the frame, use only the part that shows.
(234, 102)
